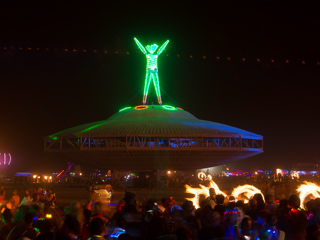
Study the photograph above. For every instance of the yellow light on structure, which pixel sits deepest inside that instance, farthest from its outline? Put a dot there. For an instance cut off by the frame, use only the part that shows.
(279, 171)
(307, 189)
(45, 177)
(169, 172)
(246, 190)
(34, 176)
(80, 174)
(256, 173)
(38, 176)
(50, 177)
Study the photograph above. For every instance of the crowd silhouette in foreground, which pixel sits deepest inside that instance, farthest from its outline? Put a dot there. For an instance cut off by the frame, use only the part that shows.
(38, 217)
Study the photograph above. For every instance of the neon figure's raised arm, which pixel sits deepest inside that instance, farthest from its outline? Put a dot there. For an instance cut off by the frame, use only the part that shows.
(162, 47)
(141, 47)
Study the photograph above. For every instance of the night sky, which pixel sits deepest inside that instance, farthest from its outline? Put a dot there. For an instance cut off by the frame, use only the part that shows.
(45, 91)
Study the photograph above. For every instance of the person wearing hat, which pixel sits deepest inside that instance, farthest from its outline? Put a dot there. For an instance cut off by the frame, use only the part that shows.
(132, 219)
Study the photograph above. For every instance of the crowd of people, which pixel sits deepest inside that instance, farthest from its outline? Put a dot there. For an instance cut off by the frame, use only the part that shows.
(37, 217)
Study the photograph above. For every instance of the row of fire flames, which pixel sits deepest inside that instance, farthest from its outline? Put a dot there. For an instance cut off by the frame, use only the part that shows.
(306, 191)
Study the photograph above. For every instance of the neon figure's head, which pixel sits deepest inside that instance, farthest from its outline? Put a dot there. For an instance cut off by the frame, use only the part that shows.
(152, 48)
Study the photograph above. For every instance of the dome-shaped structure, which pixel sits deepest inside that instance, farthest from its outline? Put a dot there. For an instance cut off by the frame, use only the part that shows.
(155, 137)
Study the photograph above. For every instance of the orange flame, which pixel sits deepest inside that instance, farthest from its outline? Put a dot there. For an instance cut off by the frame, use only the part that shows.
(247, 190)
(202, 190)
(203, 176)
(307, 189)
(294, 174)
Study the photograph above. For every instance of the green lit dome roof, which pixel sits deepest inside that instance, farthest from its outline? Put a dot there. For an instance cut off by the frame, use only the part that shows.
(153, 120)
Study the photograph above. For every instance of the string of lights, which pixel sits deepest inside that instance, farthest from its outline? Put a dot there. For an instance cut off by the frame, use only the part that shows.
(190, 56)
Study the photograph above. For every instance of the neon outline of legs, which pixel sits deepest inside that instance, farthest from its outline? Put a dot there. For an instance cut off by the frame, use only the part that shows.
(146, 87)
(154, 77)
(157, 86)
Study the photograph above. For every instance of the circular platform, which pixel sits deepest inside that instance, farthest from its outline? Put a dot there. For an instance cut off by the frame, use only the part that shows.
(154, 137)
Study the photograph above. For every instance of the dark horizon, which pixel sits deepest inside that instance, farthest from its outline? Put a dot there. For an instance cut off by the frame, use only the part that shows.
(46, 91)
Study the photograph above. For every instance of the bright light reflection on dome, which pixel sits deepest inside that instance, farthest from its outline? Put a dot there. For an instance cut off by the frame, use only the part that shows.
(168, 107)
(124, 109)
(92, 127)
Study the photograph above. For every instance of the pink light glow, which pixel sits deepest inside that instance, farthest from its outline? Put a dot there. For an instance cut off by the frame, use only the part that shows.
(5, 158)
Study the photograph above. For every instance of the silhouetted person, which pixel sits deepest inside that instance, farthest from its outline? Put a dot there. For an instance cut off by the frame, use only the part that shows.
(97, 229)
(7, 224)
(211, 200)
(294, 222)
(220, 207)
(313, 232)
(24, 230)
(70, 229)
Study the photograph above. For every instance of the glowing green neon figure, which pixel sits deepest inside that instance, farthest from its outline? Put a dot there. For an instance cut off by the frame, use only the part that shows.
(152, 68)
